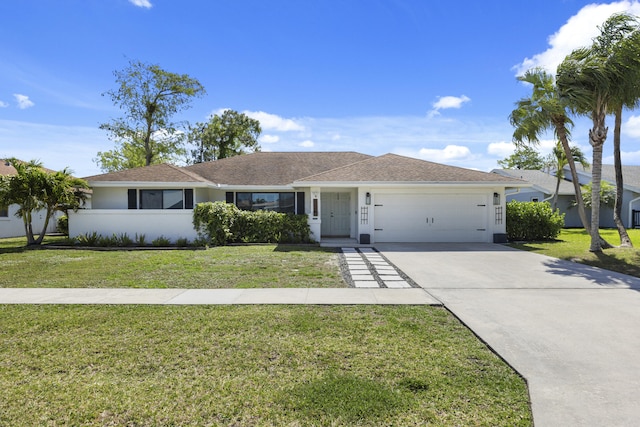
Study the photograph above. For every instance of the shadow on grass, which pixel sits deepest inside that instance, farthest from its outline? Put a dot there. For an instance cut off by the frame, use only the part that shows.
(346, 398)
(302, 247)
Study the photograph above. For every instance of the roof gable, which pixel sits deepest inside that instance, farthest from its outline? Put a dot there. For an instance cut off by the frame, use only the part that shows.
(273, 168)
(395, 168)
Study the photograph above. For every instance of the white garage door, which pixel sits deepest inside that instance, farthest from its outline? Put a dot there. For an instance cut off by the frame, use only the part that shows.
(430, 218)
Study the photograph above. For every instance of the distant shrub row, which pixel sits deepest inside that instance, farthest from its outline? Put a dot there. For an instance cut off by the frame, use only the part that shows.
(220, 223)
(529, 221)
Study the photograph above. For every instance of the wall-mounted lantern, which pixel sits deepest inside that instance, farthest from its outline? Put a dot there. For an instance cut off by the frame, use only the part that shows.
(496, 199)
(367, 198)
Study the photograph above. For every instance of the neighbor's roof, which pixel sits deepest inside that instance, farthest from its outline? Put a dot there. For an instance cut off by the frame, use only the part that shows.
(154, 173)
(273, 168)
(630, 175)
(542, 181)
(394, 168)
(7, 169)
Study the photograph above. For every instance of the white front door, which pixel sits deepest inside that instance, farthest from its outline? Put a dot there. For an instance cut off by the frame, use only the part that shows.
(336, 214)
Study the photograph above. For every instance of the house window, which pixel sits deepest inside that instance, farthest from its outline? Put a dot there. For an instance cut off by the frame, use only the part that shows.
(277, 202)
(4, 212)
(166, 199)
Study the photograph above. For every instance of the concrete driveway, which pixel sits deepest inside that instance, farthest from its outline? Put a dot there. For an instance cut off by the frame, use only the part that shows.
(572, 331)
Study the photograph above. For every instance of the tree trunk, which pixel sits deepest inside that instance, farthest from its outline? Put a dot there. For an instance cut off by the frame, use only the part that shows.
(44, 228)
(555, 195)
(562, 135)
(625, 241)
(597, 136)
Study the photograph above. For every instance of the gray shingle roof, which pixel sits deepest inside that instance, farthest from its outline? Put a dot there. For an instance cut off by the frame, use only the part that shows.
(153, 173)
(395, 168)
(273, 168)
(542, 180)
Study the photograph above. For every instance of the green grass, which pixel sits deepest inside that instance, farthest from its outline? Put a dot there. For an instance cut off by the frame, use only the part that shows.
(257, 266)
(573, 245)
(250, 366)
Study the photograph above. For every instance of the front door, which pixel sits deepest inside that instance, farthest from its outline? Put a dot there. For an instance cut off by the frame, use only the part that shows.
(336, 214)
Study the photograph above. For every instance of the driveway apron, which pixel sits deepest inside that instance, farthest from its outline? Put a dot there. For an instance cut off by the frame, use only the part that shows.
(569, 329)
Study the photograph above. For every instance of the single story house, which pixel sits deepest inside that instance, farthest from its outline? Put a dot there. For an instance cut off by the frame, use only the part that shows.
(543, 186)
(13, 226)
(368, 199)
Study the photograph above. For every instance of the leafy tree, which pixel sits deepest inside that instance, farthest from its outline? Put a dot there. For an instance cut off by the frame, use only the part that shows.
(607, 194)
(150, 97)
(32, 188)
(546, 110)
(591, 78)
(525, 157)
(226, 135)
(558, 160)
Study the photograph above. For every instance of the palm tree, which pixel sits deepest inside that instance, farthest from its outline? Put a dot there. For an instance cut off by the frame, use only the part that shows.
(32, 188)
(546, 110)
(558, 160)
(627, 96)
(590, 78)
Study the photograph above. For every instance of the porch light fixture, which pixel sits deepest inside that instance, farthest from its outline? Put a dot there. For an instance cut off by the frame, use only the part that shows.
(496, 199)
(367, 198)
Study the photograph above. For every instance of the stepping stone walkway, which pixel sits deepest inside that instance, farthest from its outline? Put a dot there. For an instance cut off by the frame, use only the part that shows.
(369, 269)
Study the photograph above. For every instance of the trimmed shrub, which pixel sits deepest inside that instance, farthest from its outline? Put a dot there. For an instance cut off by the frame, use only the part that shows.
(531, 221)
(220, 223)
(161, 241)
(62, 225)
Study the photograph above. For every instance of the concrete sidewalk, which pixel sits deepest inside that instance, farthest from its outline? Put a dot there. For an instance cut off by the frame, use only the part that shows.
(411, 296)
(569, 329)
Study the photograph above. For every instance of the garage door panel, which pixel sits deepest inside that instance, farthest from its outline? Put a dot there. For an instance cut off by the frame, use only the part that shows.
(430, 218)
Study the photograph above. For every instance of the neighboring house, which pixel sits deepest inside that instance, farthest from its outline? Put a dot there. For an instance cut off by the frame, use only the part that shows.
(543, 187)
(389, 198)
(10, 224)
(544, 184)
(630, 197)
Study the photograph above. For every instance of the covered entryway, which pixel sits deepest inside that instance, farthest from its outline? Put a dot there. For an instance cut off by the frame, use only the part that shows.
(419, 217)
(335, 214)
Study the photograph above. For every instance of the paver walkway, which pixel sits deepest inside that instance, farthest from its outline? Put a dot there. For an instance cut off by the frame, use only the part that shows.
(369, 269)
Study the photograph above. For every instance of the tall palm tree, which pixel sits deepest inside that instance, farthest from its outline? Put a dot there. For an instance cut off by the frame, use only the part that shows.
(590, 79)
(627, 96)
(546, 110)
(558, 160)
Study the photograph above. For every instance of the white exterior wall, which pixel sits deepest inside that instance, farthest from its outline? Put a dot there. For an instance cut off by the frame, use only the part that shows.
(109, 198)
(172, 224)
(12, 226)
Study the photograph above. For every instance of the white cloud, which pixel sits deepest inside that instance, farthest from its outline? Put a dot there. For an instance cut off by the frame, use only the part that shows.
(3, 104)
(307, 144)
(141, 3)
(269, 139)
(632, 127)
(579, 31)
(23, 101)
(274, 122)
(501, 149)
(446, 154)
(446, 102)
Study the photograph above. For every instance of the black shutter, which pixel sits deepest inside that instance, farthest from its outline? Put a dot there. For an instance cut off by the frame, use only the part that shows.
(188, 198)
(300, 203)
(133, 199)
(230, 197)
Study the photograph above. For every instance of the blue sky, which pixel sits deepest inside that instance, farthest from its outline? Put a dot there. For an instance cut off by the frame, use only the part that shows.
(428, 79)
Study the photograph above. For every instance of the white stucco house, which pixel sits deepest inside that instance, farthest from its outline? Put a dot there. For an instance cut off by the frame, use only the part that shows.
(368, 199)
(13, 226)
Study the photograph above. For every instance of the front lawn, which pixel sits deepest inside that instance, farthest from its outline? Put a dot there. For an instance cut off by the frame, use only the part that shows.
(573, 245)
(250, 366)
(255, 266)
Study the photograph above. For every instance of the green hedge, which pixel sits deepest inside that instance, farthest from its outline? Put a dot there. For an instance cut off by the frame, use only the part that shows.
(220, 223)
(530, 221)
